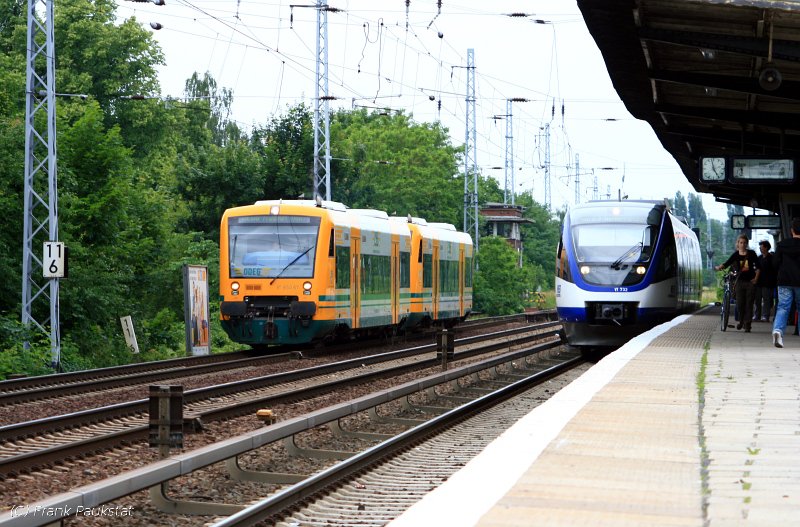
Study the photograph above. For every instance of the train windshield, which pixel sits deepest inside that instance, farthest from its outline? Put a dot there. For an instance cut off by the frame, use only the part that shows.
(272, 246)
(610, 242)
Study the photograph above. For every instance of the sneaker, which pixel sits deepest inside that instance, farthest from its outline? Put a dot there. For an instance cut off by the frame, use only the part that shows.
(777, 339)
(764, 319)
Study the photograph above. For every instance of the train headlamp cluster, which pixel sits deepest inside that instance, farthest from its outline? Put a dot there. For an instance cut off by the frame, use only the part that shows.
(275, 210)
(234, 288)
(306, 288)
(639, 269)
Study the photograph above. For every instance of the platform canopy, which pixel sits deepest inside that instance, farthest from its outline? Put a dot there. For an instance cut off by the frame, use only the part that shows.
(715, 79)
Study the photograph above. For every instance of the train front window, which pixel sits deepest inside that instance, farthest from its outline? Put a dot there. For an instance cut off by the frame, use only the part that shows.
(618, 244)
(614, 246)
(272, 246)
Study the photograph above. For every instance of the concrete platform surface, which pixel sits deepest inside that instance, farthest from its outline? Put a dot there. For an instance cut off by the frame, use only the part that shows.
(685, 425)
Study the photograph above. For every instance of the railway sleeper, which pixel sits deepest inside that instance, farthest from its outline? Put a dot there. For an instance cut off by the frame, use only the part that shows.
(278, 478)
(338, 431)
(378, 418)
(314, 453)
(162, 502)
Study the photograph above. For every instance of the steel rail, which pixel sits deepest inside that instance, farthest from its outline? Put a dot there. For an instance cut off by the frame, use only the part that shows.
(273, 507)
(27, 461)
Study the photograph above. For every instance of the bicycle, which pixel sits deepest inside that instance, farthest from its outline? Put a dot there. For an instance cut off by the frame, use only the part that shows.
(728, 281)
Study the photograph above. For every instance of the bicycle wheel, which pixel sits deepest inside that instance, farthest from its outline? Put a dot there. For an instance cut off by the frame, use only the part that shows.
(726, 310)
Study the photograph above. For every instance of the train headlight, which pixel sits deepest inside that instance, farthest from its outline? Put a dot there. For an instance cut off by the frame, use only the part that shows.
(275, 210)
(306, 286)
(640, 269)
(235, 288)
(585, 269)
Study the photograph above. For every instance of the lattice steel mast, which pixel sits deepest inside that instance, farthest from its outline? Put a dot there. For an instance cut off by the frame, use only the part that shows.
(470, 155)
(322, 144)
(40, 222)
(547, 192)
(509, 164)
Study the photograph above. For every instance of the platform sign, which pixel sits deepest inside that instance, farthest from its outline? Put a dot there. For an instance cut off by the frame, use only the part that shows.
(196, 312)
(54, 262)
(130, 335)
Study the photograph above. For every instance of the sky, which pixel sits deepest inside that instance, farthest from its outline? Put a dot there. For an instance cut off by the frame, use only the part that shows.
(411, 55)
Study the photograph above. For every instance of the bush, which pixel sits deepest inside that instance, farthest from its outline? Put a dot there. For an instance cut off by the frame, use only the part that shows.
(14, 358)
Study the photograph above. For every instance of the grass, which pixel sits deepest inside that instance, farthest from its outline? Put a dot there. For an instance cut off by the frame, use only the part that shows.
(708, 296)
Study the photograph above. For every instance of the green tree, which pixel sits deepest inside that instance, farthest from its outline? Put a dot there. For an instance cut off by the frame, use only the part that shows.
(678, 205)
(391, 163)
(286, 148)
(500, 284)
(696, 213)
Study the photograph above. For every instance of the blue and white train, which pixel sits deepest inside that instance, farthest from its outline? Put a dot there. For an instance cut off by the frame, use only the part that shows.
(622, 268)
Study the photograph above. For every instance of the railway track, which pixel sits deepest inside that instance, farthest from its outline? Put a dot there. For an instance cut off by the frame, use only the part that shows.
(377, 485)
(460, 385)
(25, 446)
(16, 391)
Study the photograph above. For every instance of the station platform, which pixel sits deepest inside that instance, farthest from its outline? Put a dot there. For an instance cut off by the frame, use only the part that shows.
(685, 425)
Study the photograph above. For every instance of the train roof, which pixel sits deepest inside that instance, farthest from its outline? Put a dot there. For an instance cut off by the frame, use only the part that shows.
(409, 219)
(372, 213)
(330, 205)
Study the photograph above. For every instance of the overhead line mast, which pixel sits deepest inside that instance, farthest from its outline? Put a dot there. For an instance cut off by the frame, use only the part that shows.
(322, 142)
(40, 222)
(470, 155)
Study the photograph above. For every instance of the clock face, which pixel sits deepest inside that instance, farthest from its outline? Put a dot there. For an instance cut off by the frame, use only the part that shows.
(737, 222)
(713, 169)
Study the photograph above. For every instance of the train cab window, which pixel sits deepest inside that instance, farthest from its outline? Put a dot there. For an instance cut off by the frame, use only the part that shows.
(272, 246)
(331, 244)
(562, 262)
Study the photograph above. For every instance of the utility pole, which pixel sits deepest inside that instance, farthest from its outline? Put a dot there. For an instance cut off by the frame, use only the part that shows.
(577, 179)
(322, 143)
(508, 191)
(470, 155)
(547, 193)
(509, 164)
(40, 223)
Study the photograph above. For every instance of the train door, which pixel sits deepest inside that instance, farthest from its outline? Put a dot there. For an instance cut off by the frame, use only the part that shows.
(435, 282)
(461, 274)
(395, 273)
(355, 284)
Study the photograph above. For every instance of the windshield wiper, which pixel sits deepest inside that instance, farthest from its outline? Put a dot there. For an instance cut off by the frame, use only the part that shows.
(630, 252)
(291, 264)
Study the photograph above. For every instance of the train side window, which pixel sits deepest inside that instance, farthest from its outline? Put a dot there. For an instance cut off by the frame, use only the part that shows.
(427, 270)
(405, 269)
(468, 272)
(342, 267)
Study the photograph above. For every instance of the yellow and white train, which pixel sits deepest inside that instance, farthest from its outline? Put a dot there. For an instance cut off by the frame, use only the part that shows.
(300, 271)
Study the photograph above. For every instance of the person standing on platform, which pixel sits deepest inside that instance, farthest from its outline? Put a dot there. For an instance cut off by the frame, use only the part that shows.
(787, 260)
(765, 286)
(745, 262)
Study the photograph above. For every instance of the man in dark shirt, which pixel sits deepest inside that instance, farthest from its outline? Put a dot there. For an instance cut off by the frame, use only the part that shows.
(787, 260)
(765, 286)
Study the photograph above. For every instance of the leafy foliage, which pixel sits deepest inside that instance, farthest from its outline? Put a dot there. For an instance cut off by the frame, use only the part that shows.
(500, 284)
